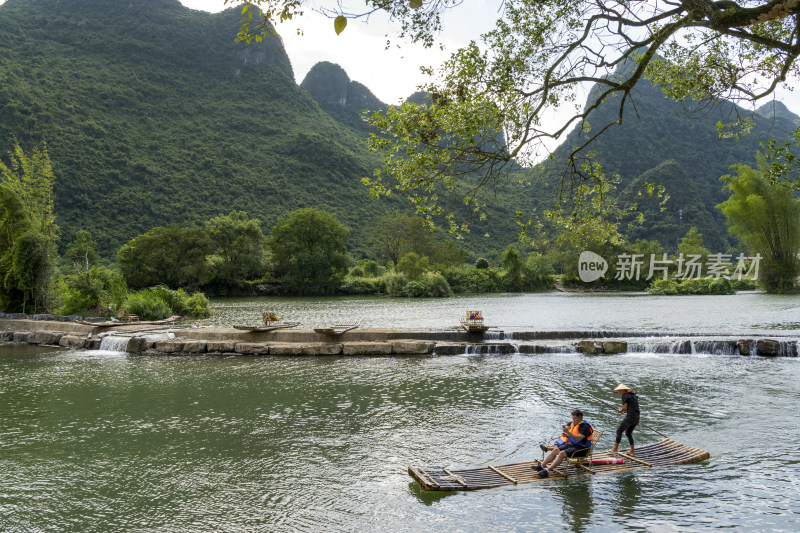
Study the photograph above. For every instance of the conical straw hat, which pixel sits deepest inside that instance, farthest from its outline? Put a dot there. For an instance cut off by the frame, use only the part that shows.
(621, 387)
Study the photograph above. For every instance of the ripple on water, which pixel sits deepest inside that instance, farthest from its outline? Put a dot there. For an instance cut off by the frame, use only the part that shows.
(208, 444)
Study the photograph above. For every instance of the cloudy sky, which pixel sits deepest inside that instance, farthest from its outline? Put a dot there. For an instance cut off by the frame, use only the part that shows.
(393, 74)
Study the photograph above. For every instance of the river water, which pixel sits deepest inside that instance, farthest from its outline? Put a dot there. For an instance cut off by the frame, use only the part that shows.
(104, 441)
(549, 311)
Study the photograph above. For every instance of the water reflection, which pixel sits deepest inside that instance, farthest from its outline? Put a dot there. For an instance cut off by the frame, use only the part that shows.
(627, 492)
(428, 497)
(286, 444)
(578, 506)
(551, 311)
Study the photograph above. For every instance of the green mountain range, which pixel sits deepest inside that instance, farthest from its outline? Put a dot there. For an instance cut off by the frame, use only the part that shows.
(153, 115)
(677, 144)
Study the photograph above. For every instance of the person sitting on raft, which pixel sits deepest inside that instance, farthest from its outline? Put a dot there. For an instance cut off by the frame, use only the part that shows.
(578, 436)
(630, 406)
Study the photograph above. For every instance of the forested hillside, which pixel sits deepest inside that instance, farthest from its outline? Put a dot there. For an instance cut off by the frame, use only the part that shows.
(677, 144)
(152, 114)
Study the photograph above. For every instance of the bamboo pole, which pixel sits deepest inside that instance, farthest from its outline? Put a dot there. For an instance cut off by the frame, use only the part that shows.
(626, 456)
(459, 479)
(511, 479)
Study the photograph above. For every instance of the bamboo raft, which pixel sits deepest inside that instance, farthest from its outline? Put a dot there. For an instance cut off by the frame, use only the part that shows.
(473, 325)
(662, 453)
(269, 327)
(111, 324)
(339, 328)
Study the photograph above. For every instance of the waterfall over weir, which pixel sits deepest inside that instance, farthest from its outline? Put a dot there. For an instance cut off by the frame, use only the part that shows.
(787, 347)
(113, 343)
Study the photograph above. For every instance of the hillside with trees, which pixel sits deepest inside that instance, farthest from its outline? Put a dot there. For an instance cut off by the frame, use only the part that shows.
(153, 115)
(676, 144)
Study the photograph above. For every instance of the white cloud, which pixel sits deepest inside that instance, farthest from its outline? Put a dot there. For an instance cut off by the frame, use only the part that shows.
(391, 74)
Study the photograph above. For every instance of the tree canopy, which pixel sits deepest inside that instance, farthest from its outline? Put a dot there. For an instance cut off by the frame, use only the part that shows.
(766, 217)
(490, 102)
(309, 251)
(28, 231)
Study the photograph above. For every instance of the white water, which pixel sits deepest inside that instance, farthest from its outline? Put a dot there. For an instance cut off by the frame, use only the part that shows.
(112, 343)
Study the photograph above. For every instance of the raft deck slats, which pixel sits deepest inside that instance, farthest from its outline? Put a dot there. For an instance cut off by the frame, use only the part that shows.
(663, 453)
(339, 328)
(269, 328)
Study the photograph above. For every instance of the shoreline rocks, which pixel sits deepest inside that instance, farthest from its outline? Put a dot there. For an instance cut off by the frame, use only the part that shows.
(160, 340)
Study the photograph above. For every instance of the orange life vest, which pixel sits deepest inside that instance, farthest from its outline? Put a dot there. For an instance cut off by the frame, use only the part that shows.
(573, 428)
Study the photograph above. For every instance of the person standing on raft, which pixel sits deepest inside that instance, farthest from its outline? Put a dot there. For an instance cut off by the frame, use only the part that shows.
(630, 406)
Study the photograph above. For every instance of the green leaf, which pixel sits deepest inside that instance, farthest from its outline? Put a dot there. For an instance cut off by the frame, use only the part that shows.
(339, 24)
(416, 4)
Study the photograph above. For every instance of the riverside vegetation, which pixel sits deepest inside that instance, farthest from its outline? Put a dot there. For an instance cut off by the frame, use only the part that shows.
(162, 271)
(153, 107)
(163, 224)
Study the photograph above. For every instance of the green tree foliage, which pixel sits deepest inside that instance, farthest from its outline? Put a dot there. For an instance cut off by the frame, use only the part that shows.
(371, 269)
(449, 253)
(28, 231)
(86, 288)
(240, 249)
(395, 234)
(537, 272)
(692, 244)
(538, 58)
(309, 251)
(81, 253)
(172, 255)
(593, 224)
(766, 217)
(413, 266)
(97, 291)
(472, 279)
(512, 263)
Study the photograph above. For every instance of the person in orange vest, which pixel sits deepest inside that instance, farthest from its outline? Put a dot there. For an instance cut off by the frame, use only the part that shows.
(630, 406)
(578, 440)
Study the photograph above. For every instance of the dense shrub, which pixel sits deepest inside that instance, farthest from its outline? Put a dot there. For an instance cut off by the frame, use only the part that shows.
(663, 287)
(435, 285)
(175, 302)
(467, 278)
(429, 285)
(743, 284)
(396, 283)
(537, 273)
(371, 269)
(364, 285)
(99, 291)
(147, 305)
(691, 286)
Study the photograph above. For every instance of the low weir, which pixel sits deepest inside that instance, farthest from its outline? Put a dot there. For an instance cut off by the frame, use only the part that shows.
(155, 340)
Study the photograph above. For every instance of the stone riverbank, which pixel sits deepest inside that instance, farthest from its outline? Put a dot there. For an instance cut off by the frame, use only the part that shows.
(164, 340)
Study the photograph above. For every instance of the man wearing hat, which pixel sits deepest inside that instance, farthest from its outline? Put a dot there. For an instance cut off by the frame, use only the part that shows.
(630, 406)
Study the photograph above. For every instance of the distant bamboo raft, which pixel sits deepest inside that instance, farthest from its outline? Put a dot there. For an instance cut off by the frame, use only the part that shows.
(663, 453)
(269, 326)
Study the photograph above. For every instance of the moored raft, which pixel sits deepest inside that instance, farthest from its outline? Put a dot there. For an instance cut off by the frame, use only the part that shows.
(663, 453)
